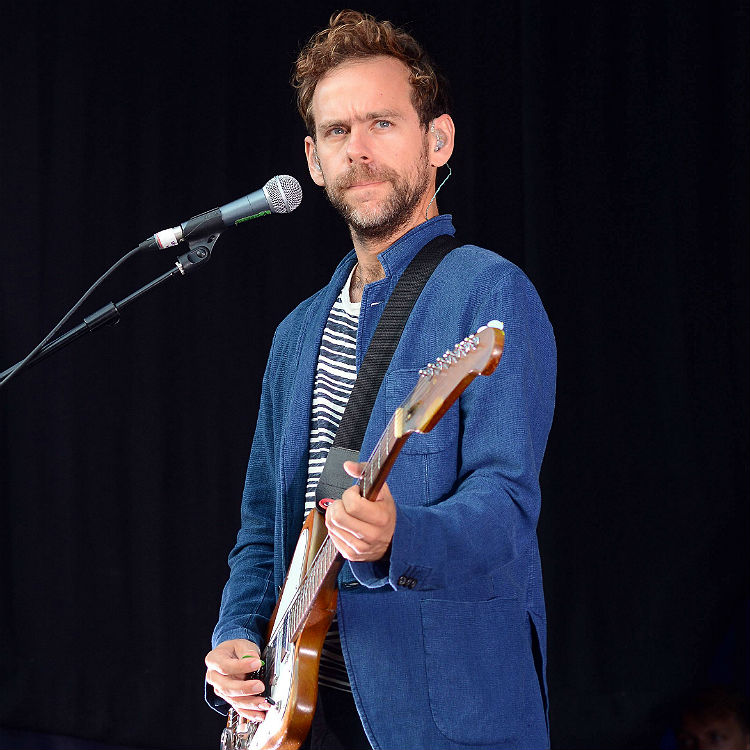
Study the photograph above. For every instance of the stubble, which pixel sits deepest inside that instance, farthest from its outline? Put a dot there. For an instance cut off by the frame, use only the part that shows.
(394, 212)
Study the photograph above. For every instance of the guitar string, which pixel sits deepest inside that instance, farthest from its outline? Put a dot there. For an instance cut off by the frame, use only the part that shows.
(325, 556)
(327, 553)
(321, 564)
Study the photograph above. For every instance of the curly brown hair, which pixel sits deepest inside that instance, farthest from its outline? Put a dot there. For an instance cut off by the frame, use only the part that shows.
(352, 35)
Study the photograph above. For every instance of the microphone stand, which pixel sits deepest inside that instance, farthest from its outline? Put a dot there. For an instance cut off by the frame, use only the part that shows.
(199, 252)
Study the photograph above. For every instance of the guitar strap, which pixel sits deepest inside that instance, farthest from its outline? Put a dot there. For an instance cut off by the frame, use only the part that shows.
(348, 441)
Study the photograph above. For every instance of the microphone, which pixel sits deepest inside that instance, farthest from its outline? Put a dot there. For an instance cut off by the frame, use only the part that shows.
(280, 195)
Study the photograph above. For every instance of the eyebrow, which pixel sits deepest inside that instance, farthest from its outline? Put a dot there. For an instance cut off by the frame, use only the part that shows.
(384, 114)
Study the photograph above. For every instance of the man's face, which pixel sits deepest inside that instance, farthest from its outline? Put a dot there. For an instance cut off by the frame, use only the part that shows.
(712, 733)
(373, 152)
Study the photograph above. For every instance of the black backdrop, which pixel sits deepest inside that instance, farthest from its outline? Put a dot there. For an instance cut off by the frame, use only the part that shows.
(601, 146)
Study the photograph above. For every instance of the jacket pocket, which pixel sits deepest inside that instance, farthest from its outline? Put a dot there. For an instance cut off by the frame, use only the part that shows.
(478, 663)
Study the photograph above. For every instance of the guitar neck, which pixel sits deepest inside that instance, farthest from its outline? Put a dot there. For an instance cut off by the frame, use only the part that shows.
(328, 561)
(439, 385)
(307, 613)
(376, 469)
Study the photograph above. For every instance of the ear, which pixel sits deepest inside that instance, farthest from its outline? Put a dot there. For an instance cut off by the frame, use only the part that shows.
(310, 154)
(445, 131)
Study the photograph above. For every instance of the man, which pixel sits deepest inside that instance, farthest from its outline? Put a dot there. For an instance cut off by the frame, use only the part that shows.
(714, 718)
(440, 609)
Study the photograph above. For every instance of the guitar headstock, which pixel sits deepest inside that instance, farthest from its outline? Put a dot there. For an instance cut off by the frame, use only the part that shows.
(442, 382)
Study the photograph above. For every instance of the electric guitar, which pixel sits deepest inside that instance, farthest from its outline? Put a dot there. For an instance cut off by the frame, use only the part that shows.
(307, 603)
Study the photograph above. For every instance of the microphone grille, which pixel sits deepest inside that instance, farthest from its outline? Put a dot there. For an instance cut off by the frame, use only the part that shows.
(284, 193)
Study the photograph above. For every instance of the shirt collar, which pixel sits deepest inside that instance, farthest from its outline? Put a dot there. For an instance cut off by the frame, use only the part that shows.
(395, 259)
(398, 256)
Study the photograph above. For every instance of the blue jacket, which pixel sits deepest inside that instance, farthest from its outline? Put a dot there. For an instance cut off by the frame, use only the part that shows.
(440, 644)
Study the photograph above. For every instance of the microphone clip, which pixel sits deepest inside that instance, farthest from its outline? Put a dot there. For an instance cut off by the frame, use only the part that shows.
(199, 252)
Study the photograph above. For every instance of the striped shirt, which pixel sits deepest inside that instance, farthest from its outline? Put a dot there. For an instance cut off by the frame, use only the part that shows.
(335, 374)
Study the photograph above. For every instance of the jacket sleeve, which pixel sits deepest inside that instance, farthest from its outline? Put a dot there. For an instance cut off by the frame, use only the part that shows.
(248, 598)
(488, 519)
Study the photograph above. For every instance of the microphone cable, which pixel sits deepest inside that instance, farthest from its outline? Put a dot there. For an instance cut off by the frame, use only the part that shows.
(67, 317)
(280, 195)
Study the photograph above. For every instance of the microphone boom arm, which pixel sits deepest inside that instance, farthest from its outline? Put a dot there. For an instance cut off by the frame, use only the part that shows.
(199, 252)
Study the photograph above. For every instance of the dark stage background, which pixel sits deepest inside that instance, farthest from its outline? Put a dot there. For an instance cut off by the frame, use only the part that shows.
(601, 146)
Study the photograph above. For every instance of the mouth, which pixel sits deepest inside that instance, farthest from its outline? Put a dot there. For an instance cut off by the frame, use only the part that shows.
(360, 185)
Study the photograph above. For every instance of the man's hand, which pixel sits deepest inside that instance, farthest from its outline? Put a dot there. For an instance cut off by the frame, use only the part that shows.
(228, 666)
(360, 529)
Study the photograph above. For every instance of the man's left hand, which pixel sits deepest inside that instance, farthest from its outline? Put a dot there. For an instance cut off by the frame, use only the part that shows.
(361, 529)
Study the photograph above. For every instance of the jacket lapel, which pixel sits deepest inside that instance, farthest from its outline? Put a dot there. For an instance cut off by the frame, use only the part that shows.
(295, 436)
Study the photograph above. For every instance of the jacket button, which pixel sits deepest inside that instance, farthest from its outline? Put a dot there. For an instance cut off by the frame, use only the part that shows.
(412, 583)
(403, 581)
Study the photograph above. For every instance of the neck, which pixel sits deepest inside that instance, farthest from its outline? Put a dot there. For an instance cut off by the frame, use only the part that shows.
(369, 268)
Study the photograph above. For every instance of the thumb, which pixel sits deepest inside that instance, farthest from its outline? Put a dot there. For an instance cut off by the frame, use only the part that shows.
(247, 651)
(354, 469)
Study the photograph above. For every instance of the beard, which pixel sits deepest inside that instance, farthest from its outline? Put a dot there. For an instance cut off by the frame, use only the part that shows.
(394, 211)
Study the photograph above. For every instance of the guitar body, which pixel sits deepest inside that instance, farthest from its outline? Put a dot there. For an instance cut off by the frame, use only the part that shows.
(292, 677)
(307, 604)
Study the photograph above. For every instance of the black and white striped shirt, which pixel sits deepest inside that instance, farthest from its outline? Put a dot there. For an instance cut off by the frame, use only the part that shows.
(335, 374)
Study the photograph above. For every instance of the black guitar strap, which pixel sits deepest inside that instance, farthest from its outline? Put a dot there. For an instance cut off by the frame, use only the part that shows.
(348, 441)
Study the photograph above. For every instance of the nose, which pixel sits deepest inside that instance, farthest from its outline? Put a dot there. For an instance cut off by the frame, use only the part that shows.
(358, 146)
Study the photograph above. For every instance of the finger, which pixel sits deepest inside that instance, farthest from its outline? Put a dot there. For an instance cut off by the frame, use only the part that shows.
(251, 704)
(356, 547)
(254, 716)
(233, 688)
(248, 663)
(339, 518)
(345, 544)
(246, 703)
(356, 508)
(230, 664)
(356, 491)
(354, 469)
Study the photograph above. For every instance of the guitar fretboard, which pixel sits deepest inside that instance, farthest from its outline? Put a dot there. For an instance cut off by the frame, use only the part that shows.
(328, 556)
(439, 385)
(375, 471)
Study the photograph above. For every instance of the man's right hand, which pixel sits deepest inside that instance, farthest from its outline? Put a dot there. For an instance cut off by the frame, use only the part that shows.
(228, 667)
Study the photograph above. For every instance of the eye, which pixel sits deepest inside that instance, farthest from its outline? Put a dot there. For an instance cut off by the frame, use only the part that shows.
(383, 124)
(335, 131)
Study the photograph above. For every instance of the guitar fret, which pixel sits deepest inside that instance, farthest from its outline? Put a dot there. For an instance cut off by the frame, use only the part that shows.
(477, 354)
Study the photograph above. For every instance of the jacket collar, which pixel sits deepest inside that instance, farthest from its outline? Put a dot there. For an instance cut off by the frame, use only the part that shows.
(398, 256)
